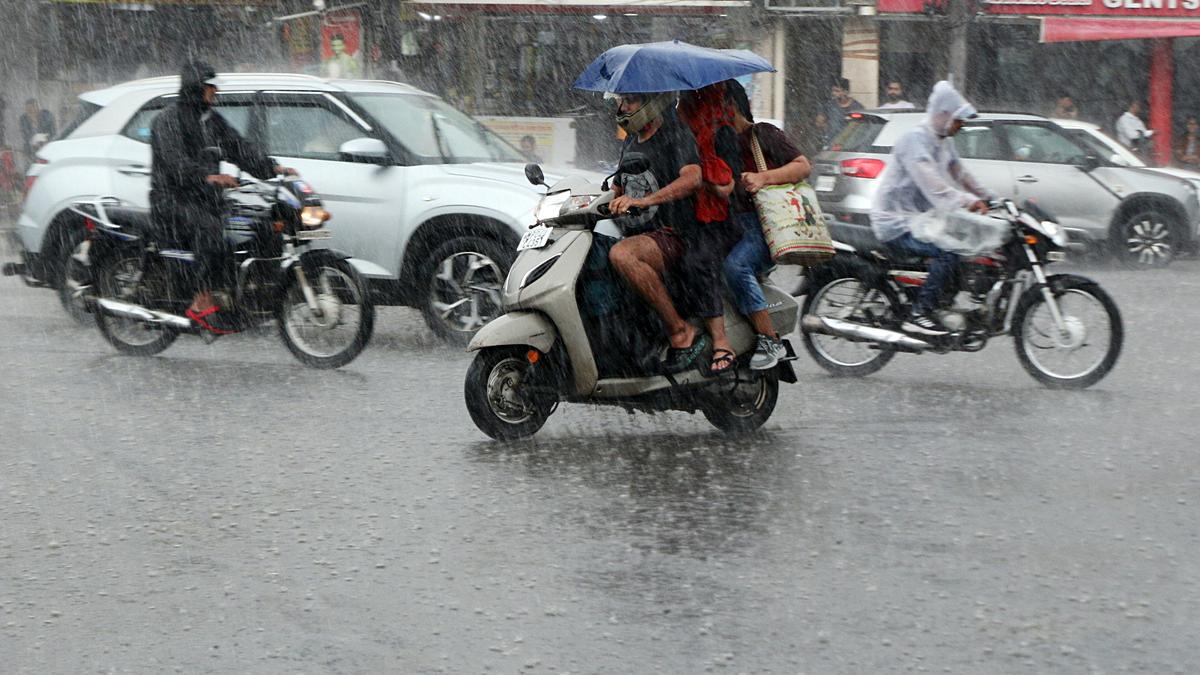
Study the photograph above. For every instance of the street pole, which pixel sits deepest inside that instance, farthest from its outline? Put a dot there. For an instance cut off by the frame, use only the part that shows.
(960, 15)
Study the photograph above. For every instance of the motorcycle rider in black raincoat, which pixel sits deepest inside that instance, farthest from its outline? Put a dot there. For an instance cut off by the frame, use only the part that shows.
(186, 183)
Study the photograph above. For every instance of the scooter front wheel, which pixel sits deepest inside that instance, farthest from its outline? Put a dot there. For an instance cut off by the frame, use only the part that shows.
(499, 405)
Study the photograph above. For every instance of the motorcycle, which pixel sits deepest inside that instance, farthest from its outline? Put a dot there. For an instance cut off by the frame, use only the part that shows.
(138, 289)
(573, 332)
(1066, 329)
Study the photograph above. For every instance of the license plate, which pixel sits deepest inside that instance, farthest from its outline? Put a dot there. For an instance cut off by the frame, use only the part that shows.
(314, 234)
(825, 183)
(535, 238)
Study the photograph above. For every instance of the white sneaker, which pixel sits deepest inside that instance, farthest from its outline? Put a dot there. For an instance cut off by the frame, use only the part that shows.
(767, 352)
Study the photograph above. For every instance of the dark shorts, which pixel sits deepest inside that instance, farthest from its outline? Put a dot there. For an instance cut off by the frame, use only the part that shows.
(668, 241)
(705, 246)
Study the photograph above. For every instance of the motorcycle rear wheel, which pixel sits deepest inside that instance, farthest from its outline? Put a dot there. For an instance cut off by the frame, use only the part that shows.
(1084, 306)
(838, 356)
(342, 331)
(748, 406)
(118, 277)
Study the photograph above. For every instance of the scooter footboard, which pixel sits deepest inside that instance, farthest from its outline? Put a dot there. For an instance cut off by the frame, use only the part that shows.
(516, 328)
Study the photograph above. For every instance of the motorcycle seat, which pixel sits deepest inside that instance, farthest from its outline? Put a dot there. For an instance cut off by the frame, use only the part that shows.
(131, 218)
(863, 239)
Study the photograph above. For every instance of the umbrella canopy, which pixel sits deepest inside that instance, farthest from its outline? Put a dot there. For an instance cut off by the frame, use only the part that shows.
(667, 66)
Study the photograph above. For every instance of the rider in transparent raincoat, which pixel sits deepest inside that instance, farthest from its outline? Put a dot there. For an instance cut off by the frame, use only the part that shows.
(924, 185)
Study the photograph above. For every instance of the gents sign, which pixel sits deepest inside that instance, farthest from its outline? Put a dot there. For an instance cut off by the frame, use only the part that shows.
(1140, 8)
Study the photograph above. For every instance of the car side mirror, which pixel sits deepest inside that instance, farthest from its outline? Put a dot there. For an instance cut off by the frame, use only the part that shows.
(368, 150)
(1089, 164)
(533, 174)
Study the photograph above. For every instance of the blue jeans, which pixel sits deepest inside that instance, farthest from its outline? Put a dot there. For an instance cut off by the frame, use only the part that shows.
(941, 270)
(749, 258)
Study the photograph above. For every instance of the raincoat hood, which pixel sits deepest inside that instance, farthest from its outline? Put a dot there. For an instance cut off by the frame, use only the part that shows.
(945, 106)
(192, 78)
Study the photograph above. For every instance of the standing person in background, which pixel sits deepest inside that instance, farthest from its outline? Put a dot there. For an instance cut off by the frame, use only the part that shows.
(1064, 108)
(1187, 148)
(1131, 130)
(840, 105)
(822, 131)
(35, 121)
(895, 97)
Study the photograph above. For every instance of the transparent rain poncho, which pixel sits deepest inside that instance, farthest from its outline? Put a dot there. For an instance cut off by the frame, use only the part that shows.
(926, 189)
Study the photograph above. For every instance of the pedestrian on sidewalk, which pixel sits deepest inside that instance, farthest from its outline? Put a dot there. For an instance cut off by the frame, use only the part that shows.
(1187, 149)
(33, 122)
(841, 103)
(895, 97)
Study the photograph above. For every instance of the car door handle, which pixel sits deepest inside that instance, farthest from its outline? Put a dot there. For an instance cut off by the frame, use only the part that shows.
(135, 170)
(1028, 179)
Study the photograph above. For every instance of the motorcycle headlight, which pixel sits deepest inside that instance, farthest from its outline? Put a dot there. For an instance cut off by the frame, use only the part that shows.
(313, 217)
(1056, 233)
(551, 205)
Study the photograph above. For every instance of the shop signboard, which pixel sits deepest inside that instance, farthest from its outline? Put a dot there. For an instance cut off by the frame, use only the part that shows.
(1178, 9)
(548, 140)
(341, 45)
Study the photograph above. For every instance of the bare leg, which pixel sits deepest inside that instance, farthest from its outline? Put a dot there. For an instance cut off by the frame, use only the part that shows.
(716, 328)
(761, 321)
(640, 263)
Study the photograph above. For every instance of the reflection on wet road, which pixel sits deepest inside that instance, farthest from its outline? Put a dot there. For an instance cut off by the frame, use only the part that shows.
(222, 508)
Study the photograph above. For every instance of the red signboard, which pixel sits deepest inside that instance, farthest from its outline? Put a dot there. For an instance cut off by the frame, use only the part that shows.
(1180, 9)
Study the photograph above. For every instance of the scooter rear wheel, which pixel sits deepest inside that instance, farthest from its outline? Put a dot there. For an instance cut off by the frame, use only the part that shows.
(494, 397)
(747, 405)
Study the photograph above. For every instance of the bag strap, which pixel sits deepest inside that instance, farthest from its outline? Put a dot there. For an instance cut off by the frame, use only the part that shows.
(755, 149)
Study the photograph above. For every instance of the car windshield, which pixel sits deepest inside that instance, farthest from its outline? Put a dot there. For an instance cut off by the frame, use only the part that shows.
(858, 135)
(1105, 147)
(435, 131)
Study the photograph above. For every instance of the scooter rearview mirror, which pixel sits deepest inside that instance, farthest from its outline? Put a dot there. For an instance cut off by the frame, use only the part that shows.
(533, 173)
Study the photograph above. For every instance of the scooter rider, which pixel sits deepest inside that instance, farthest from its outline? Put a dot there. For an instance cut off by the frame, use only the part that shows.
(185, 185)
(664, 194)
(926, 175)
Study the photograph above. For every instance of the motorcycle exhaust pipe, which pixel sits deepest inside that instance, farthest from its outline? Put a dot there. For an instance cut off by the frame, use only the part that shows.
(127, 310)
(859, 333)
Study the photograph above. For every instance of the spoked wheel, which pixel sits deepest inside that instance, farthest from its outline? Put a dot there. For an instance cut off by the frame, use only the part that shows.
(463, 287)
(746, 405)
(75, 274)
(1148, 240)
(850, 299)
(498, 402)
(335, 335)
(120, 277)
(1083, 353)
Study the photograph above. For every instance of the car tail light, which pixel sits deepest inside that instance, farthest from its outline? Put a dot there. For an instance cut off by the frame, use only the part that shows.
(862, 168)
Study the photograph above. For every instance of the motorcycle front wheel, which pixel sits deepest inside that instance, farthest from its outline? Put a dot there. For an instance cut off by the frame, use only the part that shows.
(1081, 355)
(498, 404)
(341, 329)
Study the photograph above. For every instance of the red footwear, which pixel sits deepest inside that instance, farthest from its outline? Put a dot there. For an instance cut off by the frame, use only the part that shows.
(198, 317)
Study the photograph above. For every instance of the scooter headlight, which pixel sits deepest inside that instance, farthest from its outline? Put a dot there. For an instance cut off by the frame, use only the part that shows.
(551, 205)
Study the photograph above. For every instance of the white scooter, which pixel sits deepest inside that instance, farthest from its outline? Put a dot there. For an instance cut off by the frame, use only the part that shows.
(574, 332)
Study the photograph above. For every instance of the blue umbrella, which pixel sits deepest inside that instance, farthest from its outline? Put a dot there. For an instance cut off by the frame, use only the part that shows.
(667, 66)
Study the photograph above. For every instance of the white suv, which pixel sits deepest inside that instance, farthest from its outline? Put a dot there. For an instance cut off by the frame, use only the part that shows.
(432, 199)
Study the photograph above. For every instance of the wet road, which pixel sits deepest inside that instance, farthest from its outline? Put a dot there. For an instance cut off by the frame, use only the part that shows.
(224, 509)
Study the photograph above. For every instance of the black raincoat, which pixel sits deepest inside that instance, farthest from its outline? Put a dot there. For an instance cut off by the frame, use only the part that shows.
(183, 204)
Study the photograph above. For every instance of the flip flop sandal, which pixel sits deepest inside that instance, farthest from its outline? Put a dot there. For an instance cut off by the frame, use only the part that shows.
(678, 359)
(722, 362)
(199, 319)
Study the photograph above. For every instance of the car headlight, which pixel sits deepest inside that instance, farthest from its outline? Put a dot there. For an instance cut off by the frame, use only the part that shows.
(313, 217)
